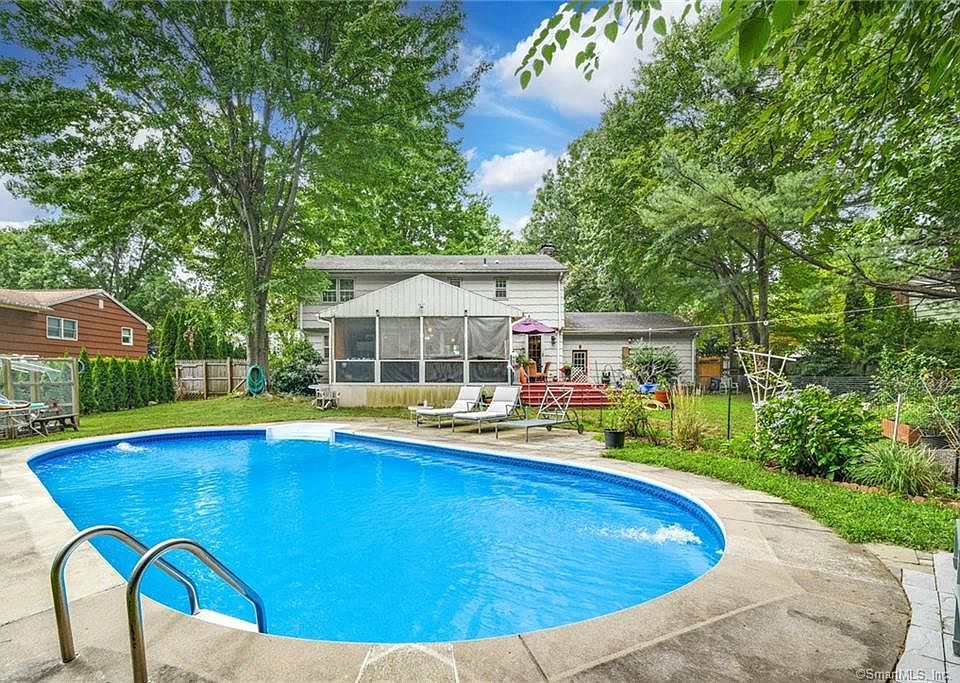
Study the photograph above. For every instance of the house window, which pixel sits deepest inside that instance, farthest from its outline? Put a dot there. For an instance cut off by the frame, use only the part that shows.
(340, 290)
(500, 288)
(126, 336)
(61, 328)
(455, 281)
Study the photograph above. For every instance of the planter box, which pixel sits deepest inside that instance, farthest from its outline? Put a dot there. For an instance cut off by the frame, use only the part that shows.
(907, 434)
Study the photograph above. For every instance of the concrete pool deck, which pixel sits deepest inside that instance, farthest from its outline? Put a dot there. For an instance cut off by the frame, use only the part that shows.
(789, 599)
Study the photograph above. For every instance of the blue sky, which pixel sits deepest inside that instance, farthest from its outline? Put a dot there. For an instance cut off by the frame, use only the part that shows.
(510, 136)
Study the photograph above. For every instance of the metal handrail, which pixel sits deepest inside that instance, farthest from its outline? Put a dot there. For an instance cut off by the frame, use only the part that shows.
(58, 585)
(135, 610)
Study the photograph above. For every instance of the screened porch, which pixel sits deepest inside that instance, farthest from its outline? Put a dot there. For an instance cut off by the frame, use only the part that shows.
(421, 350)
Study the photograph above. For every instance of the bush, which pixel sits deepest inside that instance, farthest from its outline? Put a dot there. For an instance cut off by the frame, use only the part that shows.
(88, 399)
(649, 364)
(627, 412)
(689, 427)
(899, 468)
(814, 433)
(296, 368)
(902, 373)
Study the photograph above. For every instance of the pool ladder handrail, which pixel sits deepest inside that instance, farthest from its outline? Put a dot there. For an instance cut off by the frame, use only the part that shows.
(58, 584)
(135, 611)
(148, 557)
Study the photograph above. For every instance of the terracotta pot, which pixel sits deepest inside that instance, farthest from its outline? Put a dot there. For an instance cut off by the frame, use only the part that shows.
(662, 396)
(907, 434)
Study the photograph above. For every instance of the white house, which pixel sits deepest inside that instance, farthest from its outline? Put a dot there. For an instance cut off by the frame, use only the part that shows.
(398, 330)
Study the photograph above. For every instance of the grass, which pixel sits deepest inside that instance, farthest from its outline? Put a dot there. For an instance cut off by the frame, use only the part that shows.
(215, 411)
(858, 516)
(713, 408)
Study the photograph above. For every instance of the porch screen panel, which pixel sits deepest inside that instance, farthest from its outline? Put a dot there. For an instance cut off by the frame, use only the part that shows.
(400, 338)
(487, 338)
(488, 345)
(400, 372)
(443, 338)
(354, 348)
(443, 372)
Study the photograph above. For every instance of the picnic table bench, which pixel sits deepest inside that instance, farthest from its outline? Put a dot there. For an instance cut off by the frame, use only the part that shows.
(42, 423)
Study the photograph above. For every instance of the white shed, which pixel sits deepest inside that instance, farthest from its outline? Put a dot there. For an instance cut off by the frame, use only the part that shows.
(598, 342)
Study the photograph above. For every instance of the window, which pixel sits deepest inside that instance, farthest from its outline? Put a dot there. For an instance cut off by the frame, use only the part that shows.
(61, 328)
(443, 338)
(354, 346)
(340, 290)
(126, 336)
(500, 288)
(488, 346)
(455, 281)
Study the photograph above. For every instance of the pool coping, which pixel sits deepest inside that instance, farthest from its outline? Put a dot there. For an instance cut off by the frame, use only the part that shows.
(777, 563)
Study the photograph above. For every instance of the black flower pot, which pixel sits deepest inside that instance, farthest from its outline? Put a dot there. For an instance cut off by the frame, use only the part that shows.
(933, 440)
(613, 438)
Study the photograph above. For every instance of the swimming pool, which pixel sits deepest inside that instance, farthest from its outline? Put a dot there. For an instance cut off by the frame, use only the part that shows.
(380, 540)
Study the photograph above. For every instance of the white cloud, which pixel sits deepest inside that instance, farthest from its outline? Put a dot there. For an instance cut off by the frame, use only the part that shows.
(520, 224)
(562, 84)
(519, 172)
(470, 154)
(15, 211)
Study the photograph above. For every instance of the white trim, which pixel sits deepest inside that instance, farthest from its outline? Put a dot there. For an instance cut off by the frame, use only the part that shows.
(129, 343)
(104, 293)
(76, 328)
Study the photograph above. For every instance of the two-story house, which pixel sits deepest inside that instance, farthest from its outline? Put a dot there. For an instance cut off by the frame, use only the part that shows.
(397, 330)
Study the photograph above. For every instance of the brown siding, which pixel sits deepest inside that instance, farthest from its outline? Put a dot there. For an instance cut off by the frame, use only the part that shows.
(97, 330)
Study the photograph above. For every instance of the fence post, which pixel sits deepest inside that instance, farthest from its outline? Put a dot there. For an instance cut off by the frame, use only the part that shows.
(229, 375)
(203, 376)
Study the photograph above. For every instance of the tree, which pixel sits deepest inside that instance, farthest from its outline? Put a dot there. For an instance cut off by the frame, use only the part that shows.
(247, 104)
(87, 388)
(103, 385)
(29, 260)
(871, 89)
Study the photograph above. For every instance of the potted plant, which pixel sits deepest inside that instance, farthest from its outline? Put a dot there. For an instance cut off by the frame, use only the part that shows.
(661, 393)
(936, 410)
(567, 370)
(614, 436)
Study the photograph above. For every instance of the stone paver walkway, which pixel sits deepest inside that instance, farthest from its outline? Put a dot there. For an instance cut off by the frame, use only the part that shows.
(928, 579)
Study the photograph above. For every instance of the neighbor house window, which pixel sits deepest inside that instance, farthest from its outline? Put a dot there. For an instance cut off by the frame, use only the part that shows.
(61, 328)
(126, 336)
(340, 290)
(500, 288)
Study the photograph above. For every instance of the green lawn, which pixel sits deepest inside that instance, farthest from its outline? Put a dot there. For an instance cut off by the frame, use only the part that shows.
(857, 516)
(215, 411)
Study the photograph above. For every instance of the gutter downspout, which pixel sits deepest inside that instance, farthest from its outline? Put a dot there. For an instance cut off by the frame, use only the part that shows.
(561, 319)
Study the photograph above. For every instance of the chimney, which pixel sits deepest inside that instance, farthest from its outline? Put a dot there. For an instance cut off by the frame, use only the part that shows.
(548, 250)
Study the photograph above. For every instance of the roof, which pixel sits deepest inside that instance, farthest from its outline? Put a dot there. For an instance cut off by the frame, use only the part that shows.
(46, 299)
(432, 263)
(415, 296)
(664, 324)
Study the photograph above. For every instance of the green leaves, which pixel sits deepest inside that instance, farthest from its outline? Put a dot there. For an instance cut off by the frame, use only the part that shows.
(525, 79)
(660, 26)
(753, 37)
(611, 30)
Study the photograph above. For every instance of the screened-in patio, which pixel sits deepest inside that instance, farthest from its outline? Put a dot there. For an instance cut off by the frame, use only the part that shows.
(421, 349)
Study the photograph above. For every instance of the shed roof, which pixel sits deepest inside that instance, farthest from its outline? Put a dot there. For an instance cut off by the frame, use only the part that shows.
(45, 299)
(416, 296)
(637, 323)
(433, 263)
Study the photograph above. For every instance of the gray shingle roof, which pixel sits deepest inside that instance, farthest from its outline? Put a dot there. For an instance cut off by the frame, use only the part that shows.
(431, 263)
(662, 324)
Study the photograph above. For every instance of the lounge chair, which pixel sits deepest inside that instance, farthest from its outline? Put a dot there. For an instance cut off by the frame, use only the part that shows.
(467, 400)
(505, 400)
(554, 411)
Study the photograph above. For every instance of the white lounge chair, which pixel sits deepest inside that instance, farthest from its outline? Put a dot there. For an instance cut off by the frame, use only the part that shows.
(467, 400)
(502, 405)
(554, 411)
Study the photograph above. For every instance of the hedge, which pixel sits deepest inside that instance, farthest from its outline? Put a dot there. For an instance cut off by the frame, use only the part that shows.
(110, 384)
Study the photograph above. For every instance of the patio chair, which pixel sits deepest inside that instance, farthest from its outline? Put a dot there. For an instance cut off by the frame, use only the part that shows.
(537, 376)
(554, 410)
(467, 400)
(504, 402)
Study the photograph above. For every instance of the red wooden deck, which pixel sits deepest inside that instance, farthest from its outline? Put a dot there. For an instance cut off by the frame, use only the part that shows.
(584, 395)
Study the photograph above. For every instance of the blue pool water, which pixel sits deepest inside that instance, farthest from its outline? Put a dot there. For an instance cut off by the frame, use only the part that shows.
(381, 541)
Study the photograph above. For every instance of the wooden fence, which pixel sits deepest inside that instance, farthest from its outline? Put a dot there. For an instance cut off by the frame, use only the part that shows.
(205, 378)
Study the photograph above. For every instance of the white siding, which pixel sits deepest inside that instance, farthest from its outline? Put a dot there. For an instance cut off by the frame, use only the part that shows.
(606, 353)
(535, 294)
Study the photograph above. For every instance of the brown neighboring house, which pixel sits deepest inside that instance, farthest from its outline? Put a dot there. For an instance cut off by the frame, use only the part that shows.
(51, 322)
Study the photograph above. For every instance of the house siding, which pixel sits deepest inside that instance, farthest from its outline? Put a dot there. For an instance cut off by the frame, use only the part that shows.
(532, 294)
(606, 352)
(98, 330)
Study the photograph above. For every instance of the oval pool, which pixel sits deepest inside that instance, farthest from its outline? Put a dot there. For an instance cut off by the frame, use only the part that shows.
(380, 540)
